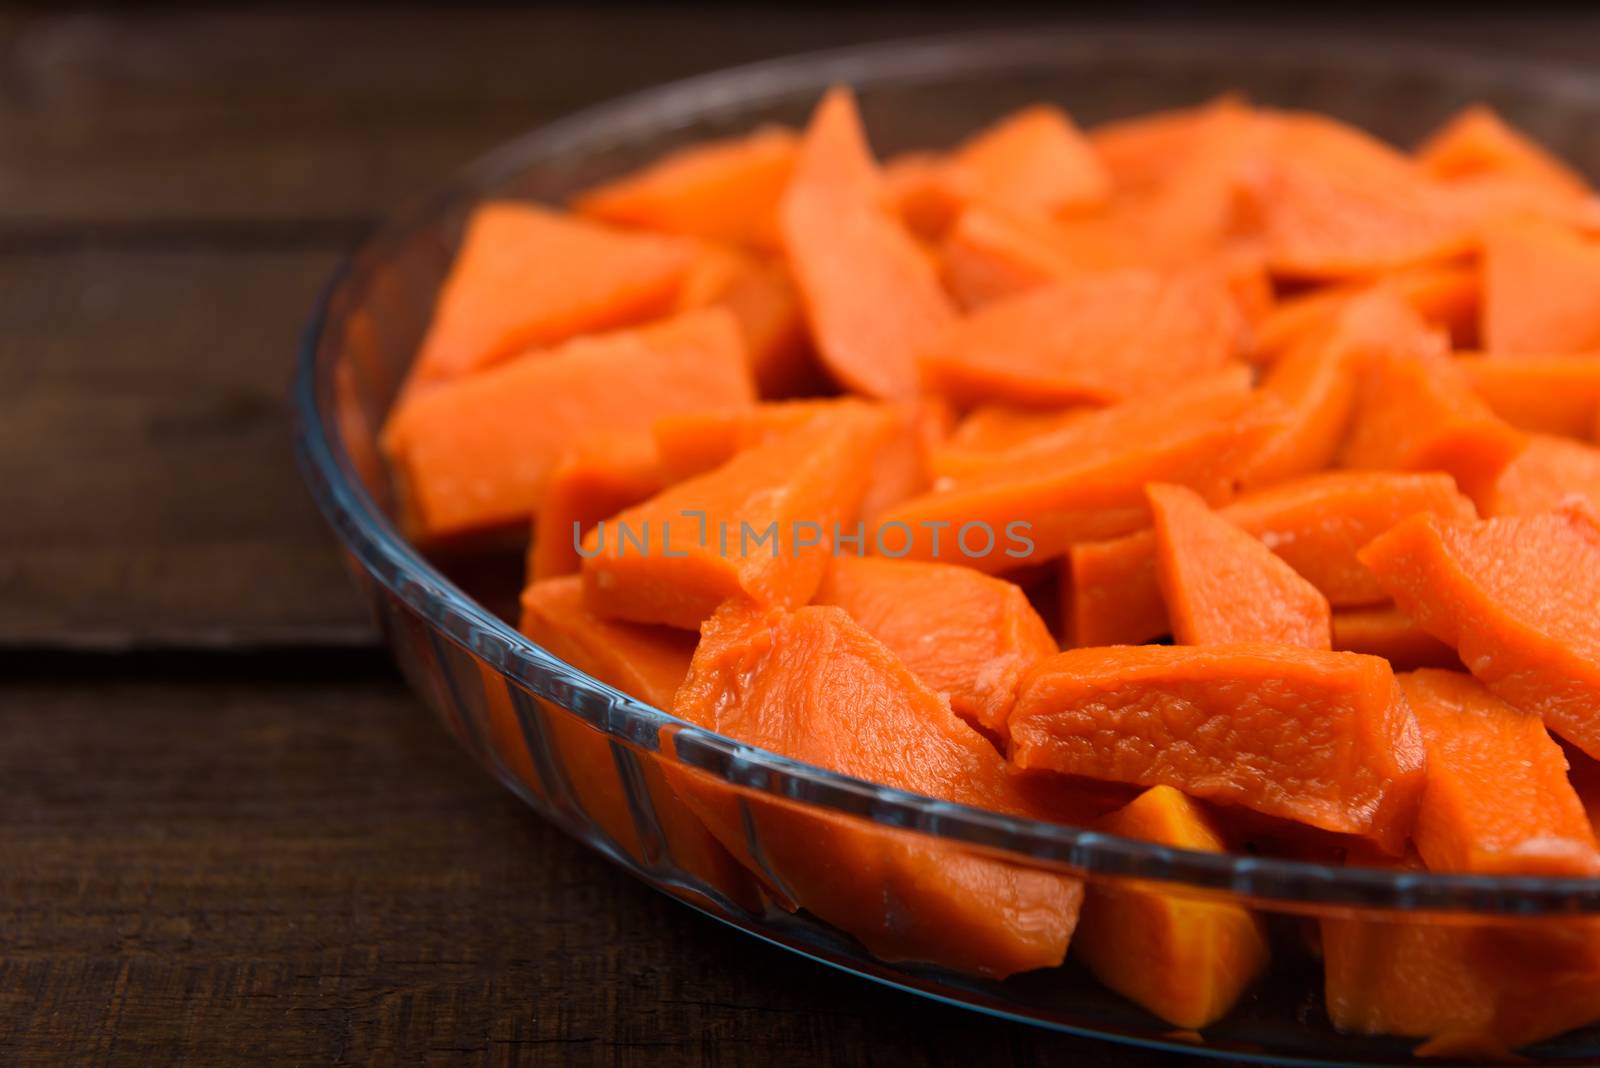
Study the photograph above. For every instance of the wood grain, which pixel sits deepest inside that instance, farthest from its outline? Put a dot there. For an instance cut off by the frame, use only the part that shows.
(313, 114)
(310, 873)
(310, 114)
(144, 446)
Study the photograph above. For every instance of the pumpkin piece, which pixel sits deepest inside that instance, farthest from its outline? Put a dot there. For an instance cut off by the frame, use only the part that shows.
(814, 686)
(724, 190)
(527, 277)
(1322, 738)
(477, 453)
(1187, 961)
(870, 294)
(1515, 597)
(966, 635)
(1222, 585)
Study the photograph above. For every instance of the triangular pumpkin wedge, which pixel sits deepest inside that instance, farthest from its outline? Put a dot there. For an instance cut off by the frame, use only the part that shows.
(990, 431)
(871, 295)
(1033, 162)
(1516, 598)
(1541, 290)
(1085, 479)
(966, 635)
(987, 255)
(1223, 585)
(1546, 394)
(759, 529)
(1549, 471)
(477, 453)
(1477, 141)
(694, 443)
(1096, 338)
(1416, 410)
(720, 190)
(1445, 295)
(1316, 524)
(598, 478)
(1531, 823)
(1317, 380)
(1187, 961)
(526, 276)
(1027, 166)
(1318, 737)
(814, 686)
(1148, 149)
(1320, 219)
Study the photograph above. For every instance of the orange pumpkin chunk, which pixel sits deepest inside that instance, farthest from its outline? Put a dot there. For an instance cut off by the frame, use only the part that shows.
(1546, 473)
(920, 187)
(1222, 585)
(1541, 290)
(1318, 381)
(1035, 161)
(758, 529)
(814, 686)
(966, 635)
(1516, 598)
(983, 437)
(1321, 222)
(698, 442)
(1149, 149)
(1097, 338)
(526, 277)
(595, 481)
(478, 452)
(1548, 394)
(1445, 296)
(987, 255)
(871, 296)
(1187, 961)
(1085, 479)
(1316, 525)
(1416, 411)
(1476, 142)
(692, 443)
(721, 190)
(1531, 822)
(1322, 738)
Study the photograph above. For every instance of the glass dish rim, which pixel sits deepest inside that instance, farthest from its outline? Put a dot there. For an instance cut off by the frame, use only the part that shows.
(383, 553)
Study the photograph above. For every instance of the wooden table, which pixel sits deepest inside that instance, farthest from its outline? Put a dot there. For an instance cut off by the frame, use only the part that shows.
(226, 830)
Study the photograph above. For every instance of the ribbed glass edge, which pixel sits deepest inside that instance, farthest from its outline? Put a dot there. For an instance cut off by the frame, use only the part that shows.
(372, 539)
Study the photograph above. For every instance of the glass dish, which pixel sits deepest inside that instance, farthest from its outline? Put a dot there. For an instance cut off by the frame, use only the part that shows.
(591, 759)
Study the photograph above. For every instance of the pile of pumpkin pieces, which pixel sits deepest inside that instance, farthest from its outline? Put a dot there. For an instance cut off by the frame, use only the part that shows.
(1323, 413)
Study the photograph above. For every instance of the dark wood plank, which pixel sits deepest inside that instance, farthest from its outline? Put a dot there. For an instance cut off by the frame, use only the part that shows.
(151, 495)
(309, 873)
(319, 114)
(309, 113)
